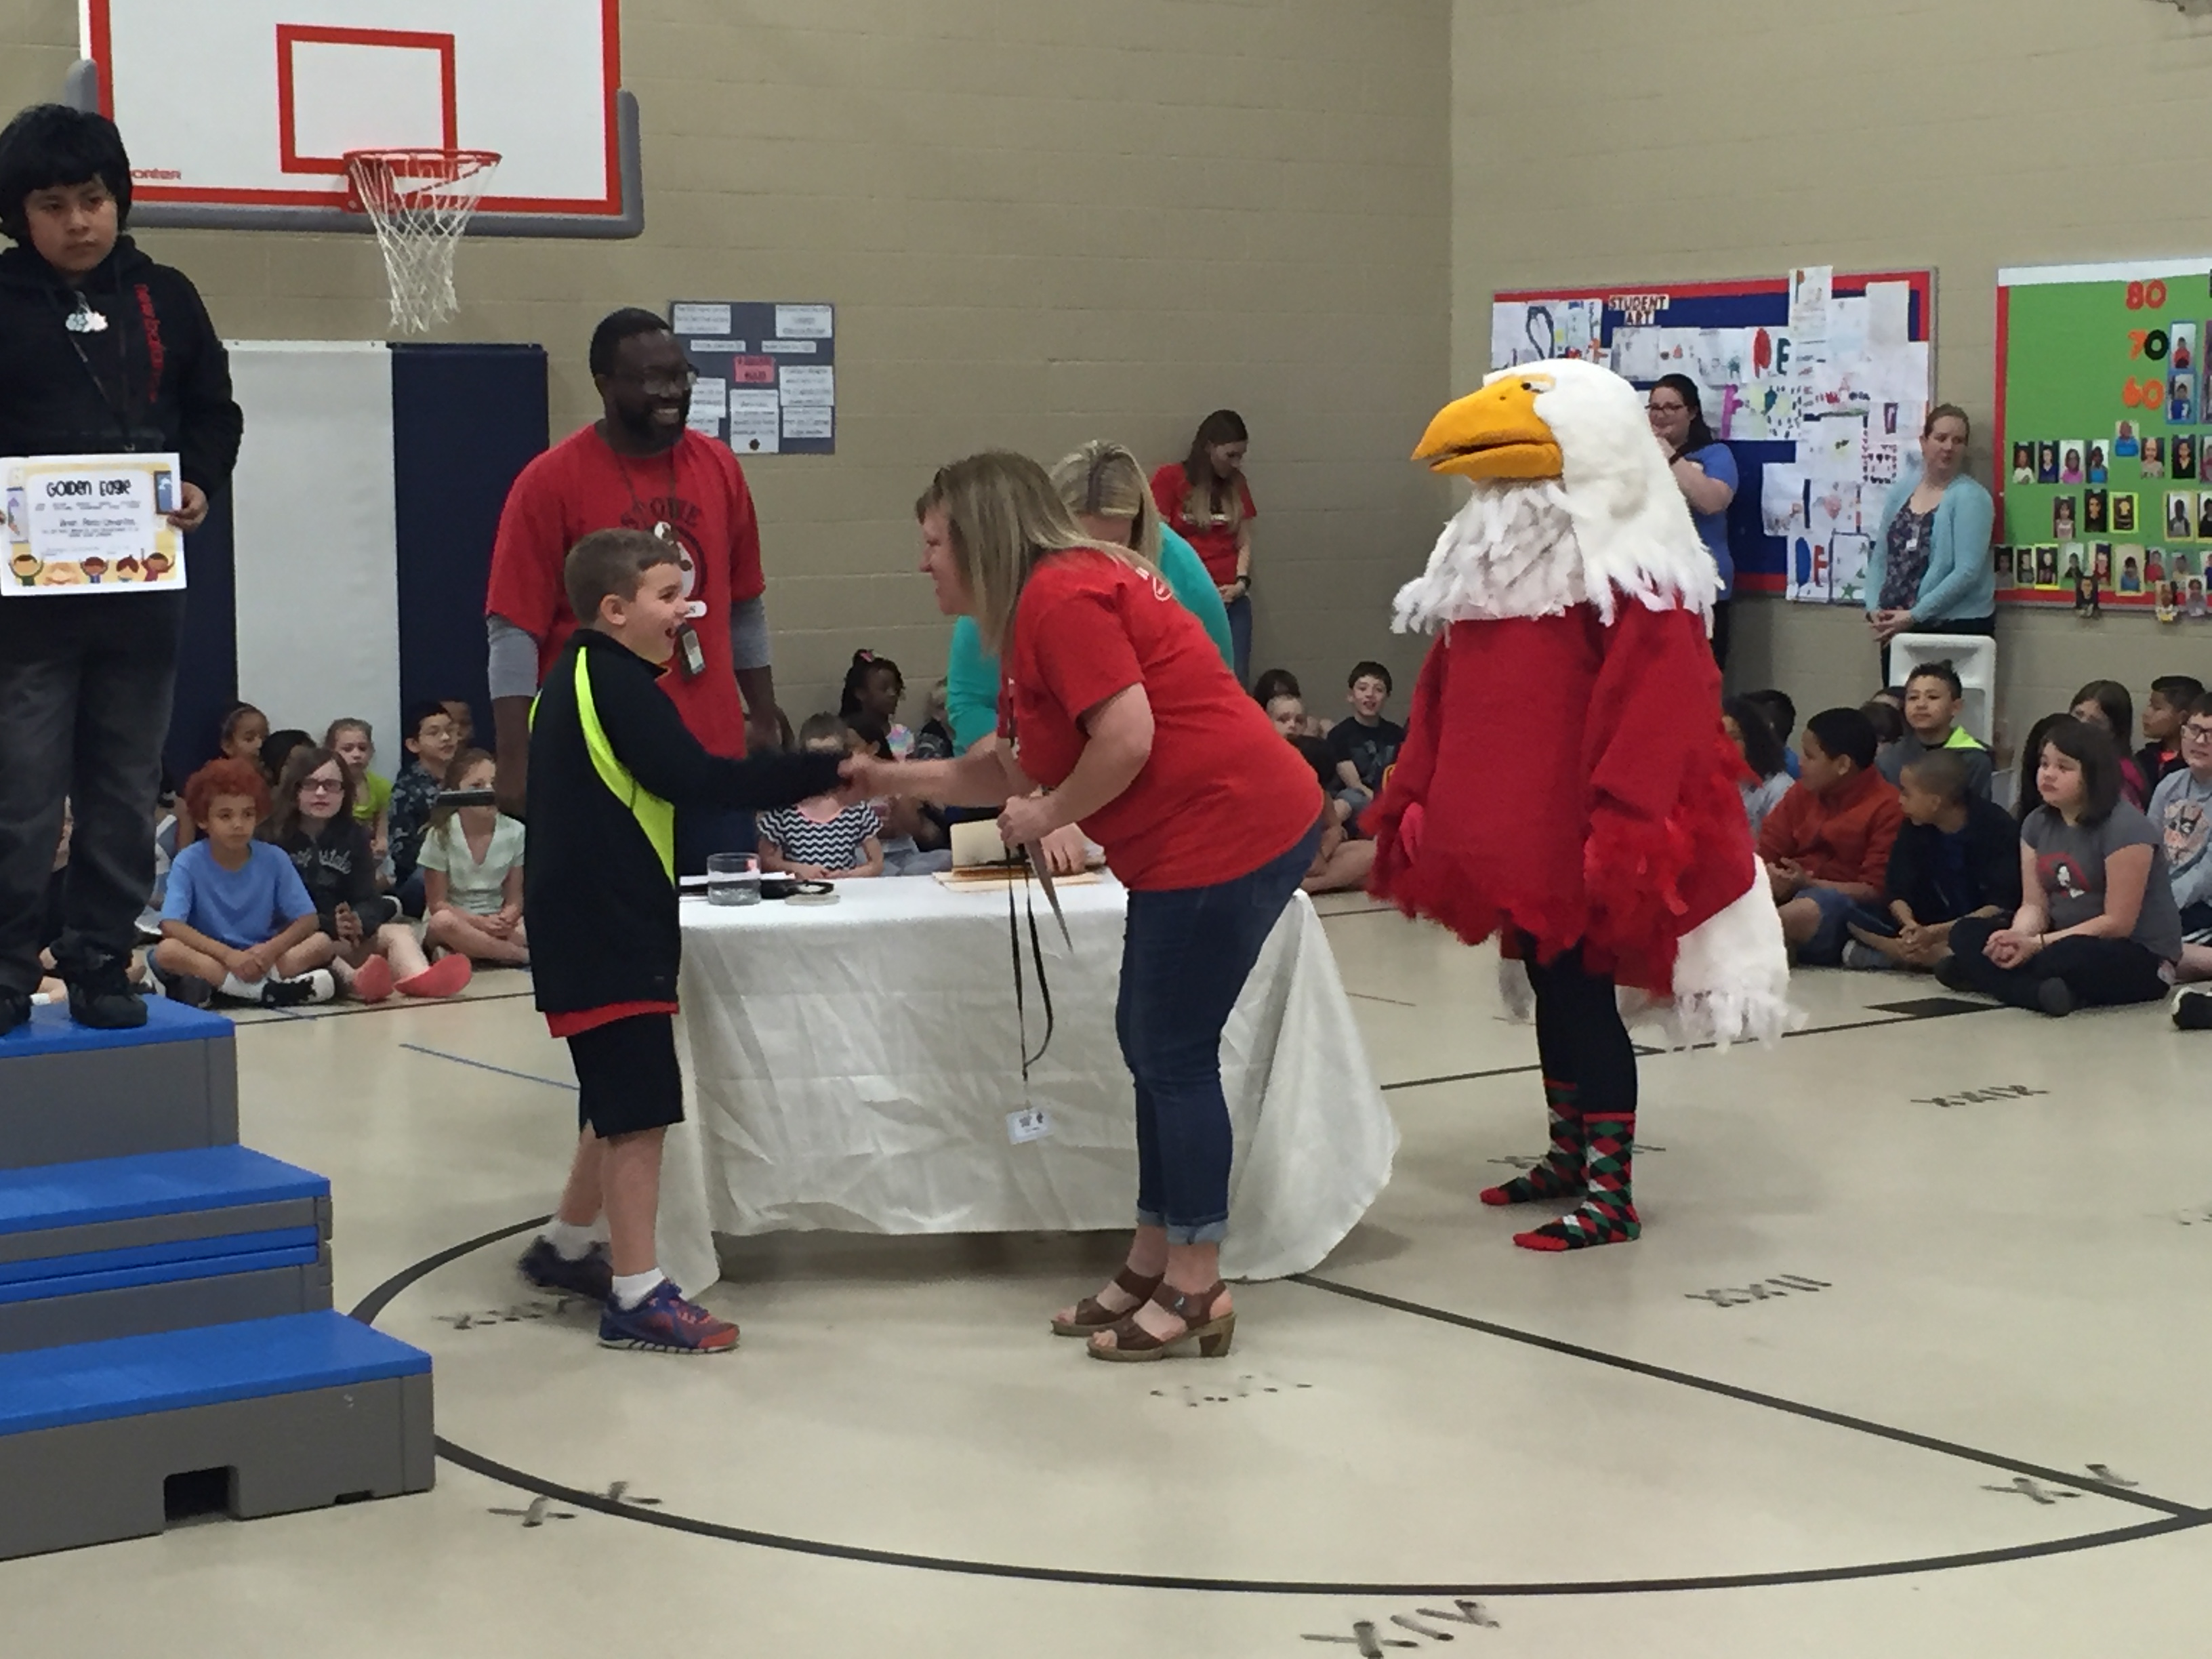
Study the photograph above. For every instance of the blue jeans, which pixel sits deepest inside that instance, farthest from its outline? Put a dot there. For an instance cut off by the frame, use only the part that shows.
(1239, 637)
(1185, 957)
(1825, 948)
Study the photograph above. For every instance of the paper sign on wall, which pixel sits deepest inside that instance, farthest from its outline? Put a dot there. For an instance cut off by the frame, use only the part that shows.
(767, 377)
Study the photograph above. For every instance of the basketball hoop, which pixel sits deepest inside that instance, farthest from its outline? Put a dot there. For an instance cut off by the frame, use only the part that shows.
(419, 202)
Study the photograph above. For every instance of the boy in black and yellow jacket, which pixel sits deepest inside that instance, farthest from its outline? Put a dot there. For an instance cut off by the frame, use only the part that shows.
(610, 761)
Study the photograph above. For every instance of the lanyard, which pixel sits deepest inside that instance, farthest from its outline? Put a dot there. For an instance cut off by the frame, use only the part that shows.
(96, 322)
(662, 530)
(1044, 989)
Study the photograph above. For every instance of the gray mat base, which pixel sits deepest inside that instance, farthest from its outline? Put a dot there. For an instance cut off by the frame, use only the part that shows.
(112, 1102)
(96, 1483)
(150, 1309)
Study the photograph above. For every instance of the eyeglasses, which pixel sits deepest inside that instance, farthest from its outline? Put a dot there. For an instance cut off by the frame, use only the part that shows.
(2197, 733)
(322, 786)
(656, 384)
(1666, 408)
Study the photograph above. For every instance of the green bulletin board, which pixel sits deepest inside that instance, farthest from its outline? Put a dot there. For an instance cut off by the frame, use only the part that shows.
(2105, 497)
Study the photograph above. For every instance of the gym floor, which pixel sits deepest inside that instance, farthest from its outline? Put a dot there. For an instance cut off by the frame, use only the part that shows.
(1904, 1364)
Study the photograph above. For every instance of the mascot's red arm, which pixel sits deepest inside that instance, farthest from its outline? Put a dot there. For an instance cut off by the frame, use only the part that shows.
(1398, 813)
(1667, 838)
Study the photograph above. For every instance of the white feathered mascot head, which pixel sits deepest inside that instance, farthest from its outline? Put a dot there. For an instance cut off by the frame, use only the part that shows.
(1574, 503)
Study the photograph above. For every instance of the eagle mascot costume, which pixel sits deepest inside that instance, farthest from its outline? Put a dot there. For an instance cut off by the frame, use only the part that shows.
(1566, 782)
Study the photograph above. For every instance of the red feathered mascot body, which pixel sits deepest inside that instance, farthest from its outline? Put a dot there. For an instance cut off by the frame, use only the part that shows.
(1610, 849)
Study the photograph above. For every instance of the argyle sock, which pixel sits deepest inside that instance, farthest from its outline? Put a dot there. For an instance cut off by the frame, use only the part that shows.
(1608, 1215)
(1560, 1174)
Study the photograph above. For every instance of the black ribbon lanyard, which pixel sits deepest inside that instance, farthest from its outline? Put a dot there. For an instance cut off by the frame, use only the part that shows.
(119, 401)
(1036, 956)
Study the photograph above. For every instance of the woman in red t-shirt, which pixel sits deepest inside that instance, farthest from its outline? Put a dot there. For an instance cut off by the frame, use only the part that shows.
(1204, 498)
(1116, 701)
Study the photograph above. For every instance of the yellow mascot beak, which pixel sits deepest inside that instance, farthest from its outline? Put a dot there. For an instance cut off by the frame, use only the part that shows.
(1495, 432)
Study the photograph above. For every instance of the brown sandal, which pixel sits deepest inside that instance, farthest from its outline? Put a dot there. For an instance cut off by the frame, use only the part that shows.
(1132, 1342)
(1090, 1316)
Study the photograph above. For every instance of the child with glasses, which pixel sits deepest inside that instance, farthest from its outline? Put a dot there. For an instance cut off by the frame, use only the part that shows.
(2181, 812)
(371, 952)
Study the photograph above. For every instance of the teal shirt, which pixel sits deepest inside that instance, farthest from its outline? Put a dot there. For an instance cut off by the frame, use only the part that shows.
(971, 674)
(1961, 580)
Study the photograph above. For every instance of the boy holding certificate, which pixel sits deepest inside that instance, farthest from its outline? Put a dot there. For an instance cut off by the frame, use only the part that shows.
(108, 353)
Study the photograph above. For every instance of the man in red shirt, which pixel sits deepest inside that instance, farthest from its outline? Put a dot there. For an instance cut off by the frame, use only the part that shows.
(638, 467)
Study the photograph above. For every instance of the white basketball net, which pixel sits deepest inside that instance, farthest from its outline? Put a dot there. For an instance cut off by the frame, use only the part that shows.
(419, 200)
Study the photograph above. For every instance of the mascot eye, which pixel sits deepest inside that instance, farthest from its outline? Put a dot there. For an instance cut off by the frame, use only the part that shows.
(1527, 385)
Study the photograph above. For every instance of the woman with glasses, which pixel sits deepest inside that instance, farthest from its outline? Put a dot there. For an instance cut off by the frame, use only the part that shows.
(1118, 703)
(638, 467)
(1928, 570)
(1704, 470)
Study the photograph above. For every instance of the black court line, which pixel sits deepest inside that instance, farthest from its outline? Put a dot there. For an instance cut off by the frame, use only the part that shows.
(486, 1066)
(1930, 1011)
(1370, 996)
(2179, 1518)
(1754, 1397)
(1370, 910)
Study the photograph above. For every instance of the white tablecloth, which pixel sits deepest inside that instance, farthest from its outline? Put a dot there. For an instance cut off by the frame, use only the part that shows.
(852, 1067)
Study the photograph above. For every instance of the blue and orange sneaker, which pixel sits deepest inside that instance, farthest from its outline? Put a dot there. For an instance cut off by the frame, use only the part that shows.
(590, 1275)
(666, 1323)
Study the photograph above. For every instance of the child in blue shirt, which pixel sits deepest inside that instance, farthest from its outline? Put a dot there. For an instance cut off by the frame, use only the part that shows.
(236, 918)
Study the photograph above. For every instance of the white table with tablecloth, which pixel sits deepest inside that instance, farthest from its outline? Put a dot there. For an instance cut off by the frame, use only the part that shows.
(852, 1067)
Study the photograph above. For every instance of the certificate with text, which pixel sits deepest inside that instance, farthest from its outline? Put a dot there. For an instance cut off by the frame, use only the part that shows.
(92, 524)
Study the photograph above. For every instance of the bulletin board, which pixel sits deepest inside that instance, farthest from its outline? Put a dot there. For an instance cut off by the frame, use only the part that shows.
(2105, 501)
(1816, 378)
(767, 374)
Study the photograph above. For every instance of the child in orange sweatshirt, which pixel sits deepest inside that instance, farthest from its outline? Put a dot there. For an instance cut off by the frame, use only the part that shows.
(1826, 845)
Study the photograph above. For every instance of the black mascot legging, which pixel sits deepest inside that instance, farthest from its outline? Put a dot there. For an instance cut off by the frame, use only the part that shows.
(1580, 1038)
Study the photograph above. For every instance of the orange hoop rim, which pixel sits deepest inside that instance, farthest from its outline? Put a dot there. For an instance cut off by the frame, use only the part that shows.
(429, 166)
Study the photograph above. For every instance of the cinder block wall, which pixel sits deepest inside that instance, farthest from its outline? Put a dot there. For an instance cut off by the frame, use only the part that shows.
(1613, 140)
(1041, 221)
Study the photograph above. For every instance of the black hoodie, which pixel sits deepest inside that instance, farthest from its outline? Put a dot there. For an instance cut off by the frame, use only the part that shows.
(157, 378)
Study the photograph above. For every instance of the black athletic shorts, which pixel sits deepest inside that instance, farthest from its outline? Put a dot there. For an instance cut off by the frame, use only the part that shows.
(627, 1076)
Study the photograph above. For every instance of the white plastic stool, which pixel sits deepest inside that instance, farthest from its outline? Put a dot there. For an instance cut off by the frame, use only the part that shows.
(1974, 656)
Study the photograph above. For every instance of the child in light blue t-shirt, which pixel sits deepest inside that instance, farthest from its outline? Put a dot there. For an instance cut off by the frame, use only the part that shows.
(236, 918)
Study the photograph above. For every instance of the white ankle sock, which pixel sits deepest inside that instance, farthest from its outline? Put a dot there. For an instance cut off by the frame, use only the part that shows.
(569, 1244)
(233, 986)
(630, 1289)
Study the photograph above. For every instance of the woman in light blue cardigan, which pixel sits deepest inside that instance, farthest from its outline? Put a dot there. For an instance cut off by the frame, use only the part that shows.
(1929, 571)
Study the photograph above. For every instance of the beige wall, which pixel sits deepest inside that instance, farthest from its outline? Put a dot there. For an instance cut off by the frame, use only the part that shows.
(1041, 221)
(1617, 140)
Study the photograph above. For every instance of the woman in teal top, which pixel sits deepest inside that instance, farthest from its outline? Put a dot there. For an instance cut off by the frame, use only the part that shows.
(1928, 570)
(1105, 488)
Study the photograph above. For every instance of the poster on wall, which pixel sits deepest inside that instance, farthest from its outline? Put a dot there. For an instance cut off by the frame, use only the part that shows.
(767, 374)
(1818, 380)
(2104, 501)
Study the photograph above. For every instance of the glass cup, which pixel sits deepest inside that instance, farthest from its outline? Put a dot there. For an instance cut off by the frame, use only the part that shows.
(732, 878)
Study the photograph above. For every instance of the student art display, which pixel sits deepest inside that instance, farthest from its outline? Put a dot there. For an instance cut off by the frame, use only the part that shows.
(1818, 380)
(2104, 503)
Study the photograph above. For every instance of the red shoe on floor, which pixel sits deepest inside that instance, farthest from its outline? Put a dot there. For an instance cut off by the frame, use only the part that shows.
(372, 980)
(448, 976)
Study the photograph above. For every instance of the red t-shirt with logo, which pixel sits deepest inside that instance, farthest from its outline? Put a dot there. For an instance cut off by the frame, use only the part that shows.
(698, 490)
(1214, 537)
(1221, 794)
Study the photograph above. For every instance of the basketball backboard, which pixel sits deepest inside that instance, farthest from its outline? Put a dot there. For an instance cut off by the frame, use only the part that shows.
(238, 113)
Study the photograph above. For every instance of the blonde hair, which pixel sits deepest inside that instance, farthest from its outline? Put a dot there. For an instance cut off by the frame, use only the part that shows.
(1107, 480)
(1003, 515)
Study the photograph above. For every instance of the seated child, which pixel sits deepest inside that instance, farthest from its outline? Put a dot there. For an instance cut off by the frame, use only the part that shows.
(1362, 747)
(1826, 845)
(1281, 683)
(244, 730)
(236, 918)
(1782, 719)
(430, 739)
(471, 863)
(934, 740)
(1287, 712)
(2181, 812)
(2106, 703)
(2164, 710)
(1933, 697)
(465, 721)
(1342, 865)
(353, 742)
(313, 824)
(1956, 855)
(820, 839)
(1746, 724)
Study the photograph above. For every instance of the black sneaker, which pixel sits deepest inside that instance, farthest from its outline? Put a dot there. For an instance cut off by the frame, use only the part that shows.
(190, 989)
(2056, 997)
(2193, 1010)
(15, 1010)
(105, 1000)
(316, 986)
